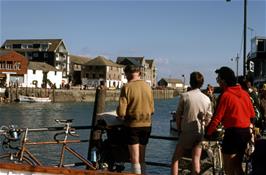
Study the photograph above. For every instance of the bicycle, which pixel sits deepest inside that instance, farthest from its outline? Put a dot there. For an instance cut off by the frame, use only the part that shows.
(213, 149)
(20, 153)
(211, 159)
(213, 146)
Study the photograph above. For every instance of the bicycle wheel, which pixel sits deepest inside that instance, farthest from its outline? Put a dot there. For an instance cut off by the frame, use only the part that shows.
(13, 158)
(217, 161)
(248, 165)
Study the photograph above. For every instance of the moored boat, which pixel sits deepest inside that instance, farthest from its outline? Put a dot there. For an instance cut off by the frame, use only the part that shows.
(23, 98)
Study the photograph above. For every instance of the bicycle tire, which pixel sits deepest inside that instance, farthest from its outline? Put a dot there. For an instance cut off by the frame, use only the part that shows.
(15, 159)
(248, 165)
(217, 161)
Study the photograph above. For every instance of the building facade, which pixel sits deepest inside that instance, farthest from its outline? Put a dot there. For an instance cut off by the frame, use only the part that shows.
(42, 75)
(148, 68)
(171, 83)
(50, 51)
(100, 69)
(76, 63)
(13, 67)
(257, 60)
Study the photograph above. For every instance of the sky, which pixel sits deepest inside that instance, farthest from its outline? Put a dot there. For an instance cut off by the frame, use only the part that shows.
(181, 36)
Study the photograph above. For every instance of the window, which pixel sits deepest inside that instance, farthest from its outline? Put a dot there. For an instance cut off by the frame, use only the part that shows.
(36, 46)
(55, 72)
(45, 55)
(34, 71)
(44, 46)
(35, 54)
(16, 66)
(2, 65)
(8, 46)
(261, 46)
(9, 65)
(24, 46)
(16, 46)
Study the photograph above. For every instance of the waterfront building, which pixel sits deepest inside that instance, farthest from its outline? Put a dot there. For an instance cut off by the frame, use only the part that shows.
(40, 74)
(75, 68)
(13, 67)
(148, 68)
(171, 83)
(101, 69)
(257, 60)
(50, 51)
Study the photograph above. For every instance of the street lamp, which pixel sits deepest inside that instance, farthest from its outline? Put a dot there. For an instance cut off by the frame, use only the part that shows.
(251, 31)
(245, 36)
(251, 35)
(236, 59)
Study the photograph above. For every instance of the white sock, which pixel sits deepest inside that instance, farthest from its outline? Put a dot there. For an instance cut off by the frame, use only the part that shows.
(143, 168)
(135, 167)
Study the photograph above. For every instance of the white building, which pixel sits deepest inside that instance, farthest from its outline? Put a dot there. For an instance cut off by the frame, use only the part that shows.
(38, 73)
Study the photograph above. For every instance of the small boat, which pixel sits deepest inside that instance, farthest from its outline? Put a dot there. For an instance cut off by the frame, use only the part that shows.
(173, 121)
(23, 98)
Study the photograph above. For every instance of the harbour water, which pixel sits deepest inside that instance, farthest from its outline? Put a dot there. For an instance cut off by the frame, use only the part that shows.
(36, 115)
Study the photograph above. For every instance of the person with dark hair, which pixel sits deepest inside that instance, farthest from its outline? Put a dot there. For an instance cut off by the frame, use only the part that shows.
(192, 108)
(210, 93)
(136, 107)
(246, 85)
(235, 111)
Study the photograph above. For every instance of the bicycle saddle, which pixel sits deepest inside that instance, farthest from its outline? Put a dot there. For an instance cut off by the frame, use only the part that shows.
(64, 121)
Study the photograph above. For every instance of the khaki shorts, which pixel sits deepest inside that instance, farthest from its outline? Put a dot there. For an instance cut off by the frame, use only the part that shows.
(189, 139)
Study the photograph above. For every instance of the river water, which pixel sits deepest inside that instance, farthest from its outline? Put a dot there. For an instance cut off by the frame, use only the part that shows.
(36, 115)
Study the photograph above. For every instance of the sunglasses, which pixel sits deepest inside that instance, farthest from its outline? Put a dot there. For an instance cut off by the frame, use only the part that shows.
(218, 79)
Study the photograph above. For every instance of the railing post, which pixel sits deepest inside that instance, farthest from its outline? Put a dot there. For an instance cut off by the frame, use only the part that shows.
(99, 106)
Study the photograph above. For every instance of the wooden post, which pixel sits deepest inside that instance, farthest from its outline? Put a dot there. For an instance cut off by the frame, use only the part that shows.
(16, 92)
(10, 94)
(99, 106)
(53, 94)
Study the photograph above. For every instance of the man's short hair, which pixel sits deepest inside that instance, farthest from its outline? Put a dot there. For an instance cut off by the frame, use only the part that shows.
(196, 80)
(227, 74)
(131, 69)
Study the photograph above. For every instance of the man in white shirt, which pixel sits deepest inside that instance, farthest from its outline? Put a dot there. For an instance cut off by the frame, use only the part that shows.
(192, 108)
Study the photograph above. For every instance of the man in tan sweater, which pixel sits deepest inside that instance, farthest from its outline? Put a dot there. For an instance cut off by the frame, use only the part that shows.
(136, 106)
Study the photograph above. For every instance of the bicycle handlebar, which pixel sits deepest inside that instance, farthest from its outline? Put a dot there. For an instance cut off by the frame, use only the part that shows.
(10, 132)
(68, 130)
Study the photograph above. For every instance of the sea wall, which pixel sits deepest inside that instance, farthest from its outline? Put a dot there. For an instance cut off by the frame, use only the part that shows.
(76, 95)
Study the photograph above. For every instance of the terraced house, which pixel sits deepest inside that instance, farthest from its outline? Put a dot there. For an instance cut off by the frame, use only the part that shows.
(76, 63)
(101, 69)
(148, 68)
(50, 51)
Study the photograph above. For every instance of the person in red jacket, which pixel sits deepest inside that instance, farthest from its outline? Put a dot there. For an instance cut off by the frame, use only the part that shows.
(234, 111)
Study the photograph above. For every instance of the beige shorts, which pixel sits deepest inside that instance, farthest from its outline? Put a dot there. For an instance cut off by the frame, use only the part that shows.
(189, 139)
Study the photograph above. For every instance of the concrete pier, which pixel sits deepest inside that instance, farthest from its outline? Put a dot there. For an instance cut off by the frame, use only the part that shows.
(77, 95)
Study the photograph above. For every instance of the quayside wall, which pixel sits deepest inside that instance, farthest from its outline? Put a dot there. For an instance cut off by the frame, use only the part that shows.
(76, 95)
